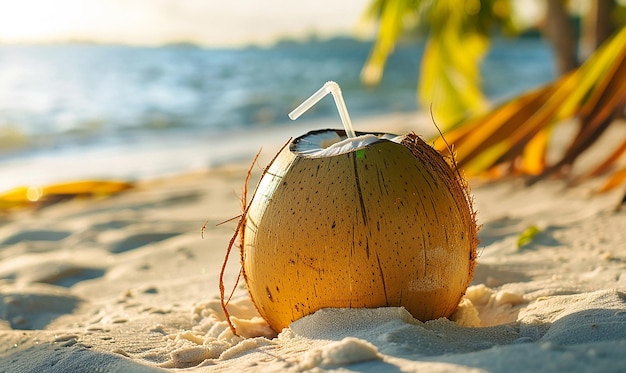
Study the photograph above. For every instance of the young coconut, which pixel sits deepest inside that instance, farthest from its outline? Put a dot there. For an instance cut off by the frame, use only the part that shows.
(367, 220)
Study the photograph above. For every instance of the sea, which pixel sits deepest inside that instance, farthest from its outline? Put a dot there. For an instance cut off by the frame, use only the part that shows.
(79, 110)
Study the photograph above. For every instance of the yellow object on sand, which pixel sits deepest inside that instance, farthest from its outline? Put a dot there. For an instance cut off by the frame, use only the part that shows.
(27, 196)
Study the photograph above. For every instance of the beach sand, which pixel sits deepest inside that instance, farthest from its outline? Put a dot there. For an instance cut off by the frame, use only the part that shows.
(127, 283)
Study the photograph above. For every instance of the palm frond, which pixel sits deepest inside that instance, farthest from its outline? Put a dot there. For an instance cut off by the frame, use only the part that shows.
(515, 134)
(390, 15)
(457, 40)
(450, 74)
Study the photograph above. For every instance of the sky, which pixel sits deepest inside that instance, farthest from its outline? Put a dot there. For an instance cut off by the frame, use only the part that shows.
(150, 22)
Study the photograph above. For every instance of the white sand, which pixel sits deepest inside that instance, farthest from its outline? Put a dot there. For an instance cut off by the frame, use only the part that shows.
(127, 284)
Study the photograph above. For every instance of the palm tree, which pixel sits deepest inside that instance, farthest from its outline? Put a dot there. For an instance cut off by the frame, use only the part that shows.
(516, 133)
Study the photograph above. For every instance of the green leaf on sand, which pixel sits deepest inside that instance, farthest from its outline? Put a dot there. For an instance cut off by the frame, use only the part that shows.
(527, 236)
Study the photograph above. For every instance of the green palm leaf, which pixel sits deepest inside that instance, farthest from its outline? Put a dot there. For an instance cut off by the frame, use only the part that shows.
(457, 41)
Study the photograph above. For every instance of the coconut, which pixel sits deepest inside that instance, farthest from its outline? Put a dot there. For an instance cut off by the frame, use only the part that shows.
(372, 220)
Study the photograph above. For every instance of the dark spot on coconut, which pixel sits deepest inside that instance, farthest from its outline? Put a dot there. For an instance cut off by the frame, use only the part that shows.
(269, 294)
(333, 225)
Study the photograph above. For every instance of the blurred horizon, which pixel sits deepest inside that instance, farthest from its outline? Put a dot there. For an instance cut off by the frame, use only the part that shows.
(139, 88)
(162, 22)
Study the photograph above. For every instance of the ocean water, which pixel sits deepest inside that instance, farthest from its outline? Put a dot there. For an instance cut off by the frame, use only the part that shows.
(71, 111)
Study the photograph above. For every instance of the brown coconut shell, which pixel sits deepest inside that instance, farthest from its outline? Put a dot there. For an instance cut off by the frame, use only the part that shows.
(391, 224)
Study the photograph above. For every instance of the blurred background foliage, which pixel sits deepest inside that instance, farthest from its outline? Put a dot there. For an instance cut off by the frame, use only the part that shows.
(589, 42)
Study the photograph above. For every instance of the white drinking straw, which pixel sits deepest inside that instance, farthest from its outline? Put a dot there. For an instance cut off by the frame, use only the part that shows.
(333, 88)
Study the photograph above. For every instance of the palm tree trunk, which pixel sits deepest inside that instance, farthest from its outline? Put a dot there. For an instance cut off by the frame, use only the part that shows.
(597, 26)
(561, 35)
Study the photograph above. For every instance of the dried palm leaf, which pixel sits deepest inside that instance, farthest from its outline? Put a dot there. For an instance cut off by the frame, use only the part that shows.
(515, 135)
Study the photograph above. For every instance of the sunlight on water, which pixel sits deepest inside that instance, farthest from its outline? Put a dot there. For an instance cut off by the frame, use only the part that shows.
(75, 101)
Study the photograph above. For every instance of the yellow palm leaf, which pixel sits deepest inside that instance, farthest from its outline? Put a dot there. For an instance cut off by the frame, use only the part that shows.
(25, 196)
(488, 137)
(605, 165)
(514, 130)
(390, 26)
(449, 73)
(457, 41)
(533, 159)
(617, 178)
